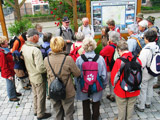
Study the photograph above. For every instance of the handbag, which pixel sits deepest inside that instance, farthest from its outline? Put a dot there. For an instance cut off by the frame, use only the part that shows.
(57, 89)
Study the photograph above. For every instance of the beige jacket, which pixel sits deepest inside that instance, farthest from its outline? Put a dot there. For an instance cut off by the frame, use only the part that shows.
(34, 62)
(69, 67)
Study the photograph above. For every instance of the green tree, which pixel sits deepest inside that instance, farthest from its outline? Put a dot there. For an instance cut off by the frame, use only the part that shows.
(19, 27)
(61, 8)
(16, 6)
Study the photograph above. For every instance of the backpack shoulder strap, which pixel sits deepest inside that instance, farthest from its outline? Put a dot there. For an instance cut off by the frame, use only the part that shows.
(113, 46)
(137, 41)
(123, 59)
(47, 48)
(84, 58)
(60, 31)
(18, 41)
(95, 58)
(90, 27)
(60, 67)
(81, 28)
(74, 46)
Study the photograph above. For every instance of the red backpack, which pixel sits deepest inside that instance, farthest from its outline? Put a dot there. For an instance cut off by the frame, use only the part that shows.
(90, 81)
(74, 53)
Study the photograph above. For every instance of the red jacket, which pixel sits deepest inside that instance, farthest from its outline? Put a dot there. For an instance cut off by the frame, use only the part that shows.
(107, 52)
(114, 77)
(6, 64)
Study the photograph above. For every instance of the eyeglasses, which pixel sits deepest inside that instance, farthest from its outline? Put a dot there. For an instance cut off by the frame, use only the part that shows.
(66, 22)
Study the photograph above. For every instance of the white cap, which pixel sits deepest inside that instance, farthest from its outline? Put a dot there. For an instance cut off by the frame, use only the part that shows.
(143, 23)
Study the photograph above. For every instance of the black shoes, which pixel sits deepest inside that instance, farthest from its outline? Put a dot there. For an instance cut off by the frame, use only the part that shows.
(26, 88)
(139, 109)
(111, 98)
(147, 106)
(45, 116)
(14, 99)
(156, 86)
(18, 94)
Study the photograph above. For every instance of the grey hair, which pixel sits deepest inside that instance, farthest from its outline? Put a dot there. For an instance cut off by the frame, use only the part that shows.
(122, 45)
(84, 19)
(79, 36)
(89, 44)
(114, 36)
(133, 28)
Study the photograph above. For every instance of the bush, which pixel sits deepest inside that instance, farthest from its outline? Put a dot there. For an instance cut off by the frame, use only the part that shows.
(155, 2)
(19, 27)
(150, 8)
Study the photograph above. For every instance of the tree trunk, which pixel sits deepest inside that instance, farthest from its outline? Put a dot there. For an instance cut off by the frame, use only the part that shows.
(17, 11)
(75, 15)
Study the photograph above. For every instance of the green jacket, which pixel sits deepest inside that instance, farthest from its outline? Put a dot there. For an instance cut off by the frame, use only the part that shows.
(34, 62)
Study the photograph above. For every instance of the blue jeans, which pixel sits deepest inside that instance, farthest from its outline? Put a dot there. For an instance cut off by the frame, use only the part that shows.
(11, 89)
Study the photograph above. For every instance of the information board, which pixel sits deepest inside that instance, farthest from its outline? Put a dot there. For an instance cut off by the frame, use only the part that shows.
(123, 12)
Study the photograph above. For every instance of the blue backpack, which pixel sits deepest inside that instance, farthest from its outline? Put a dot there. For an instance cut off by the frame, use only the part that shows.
(140, 45)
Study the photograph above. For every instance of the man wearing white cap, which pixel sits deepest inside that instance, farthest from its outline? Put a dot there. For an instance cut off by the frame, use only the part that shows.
(143, 25)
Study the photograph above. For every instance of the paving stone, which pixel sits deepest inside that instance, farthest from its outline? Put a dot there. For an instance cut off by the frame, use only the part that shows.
(102, 111)
(6, 111)
(3, 117)
(142, 115)
(111, 114)
(104, 115)
(28, 105)
(157, 115)
(151, 118)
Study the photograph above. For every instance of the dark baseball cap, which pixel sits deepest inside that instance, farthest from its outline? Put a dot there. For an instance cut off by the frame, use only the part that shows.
(65, 19)
(31, 32)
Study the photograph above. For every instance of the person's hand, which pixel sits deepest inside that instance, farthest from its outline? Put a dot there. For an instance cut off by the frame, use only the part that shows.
(76, 33)
(68, 41)
(10, 78)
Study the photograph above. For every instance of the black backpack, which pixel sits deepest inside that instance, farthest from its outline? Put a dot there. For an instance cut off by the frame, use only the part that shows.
(11, 42)
(57, 89)
(132, 74)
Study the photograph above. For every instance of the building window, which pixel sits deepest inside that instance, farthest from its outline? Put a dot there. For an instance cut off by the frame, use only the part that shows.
(45, 7)
(37, 8)
(143, 1)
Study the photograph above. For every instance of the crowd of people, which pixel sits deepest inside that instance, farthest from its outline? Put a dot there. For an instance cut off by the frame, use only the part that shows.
(75, 53)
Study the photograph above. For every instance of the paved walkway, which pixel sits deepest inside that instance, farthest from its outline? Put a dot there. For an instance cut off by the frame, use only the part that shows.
(108, 110)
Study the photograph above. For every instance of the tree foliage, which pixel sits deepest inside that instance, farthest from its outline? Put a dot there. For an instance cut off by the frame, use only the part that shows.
(59, 9)
(19, 27)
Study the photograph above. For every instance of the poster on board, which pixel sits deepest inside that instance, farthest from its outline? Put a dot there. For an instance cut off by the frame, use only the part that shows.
(123, 12)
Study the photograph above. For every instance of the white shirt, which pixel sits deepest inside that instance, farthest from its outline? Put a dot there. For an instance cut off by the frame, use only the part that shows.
(87, 31)
(40, 41)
